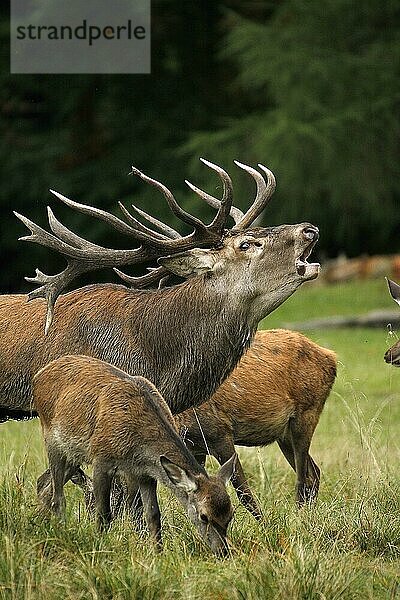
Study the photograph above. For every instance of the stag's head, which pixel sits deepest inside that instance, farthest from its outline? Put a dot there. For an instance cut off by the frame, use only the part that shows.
(206, 501)
(392, 356)
(262, 266)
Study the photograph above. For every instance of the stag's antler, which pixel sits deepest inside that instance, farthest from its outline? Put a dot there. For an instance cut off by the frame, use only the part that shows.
(83, 256)
(264, 193)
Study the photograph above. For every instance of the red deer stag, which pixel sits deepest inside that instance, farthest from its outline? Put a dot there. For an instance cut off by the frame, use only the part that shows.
(275, 394)
(124, 427)
(392, 356)
(186, 338)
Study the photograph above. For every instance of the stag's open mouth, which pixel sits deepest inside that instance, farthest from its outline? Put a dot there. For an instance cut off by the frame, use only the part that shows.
(303, 267)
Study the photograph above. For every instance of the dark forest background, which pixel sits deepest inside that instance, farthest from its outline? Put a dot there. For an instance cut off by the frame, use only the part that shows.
(309, 88)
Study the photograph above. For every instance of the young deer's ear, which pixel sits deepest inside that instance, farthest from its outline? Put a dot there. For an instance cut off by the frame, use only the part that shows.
(394, 290)
(189, 263)
(227, 469)
(179, 476)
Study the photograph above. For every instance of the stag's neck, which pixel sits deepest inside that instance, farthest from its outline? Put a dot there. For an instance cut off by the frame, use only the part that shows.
(194, 334)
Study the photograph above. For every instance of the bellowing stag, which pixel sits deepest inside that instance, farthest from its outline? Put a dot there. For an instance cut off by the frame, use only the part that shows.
(185, 339)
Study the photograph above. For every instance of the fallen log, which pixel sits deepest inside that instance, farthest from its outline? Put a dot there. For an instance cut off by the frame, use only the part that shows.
(375, 318)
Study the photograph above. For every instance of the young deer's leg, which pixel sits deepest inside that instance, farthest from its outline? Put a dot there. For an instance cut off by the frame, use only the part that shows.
(148, 492)
(44, 488)
(78, 477)
(117, 494)
(103, 473)
(285, 444)
(313, 478)
(132, 499)
(223, 452)
(58, 464)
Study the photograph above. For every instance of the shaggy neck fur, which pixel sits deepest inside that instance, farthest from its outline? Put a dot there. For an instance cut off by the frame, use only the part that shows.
(186, 339)
(190, 341)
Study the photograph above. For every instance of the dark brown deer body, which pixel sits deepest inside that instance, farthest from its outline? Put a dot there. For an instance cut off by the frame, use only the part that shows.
(123, 426)
(392, 356)
(185, 339)
(276, 393)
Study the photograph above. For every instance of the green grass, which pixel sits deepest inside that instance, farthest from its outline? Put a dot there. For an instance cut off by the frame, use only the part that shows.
(347, 546)
(313, 300)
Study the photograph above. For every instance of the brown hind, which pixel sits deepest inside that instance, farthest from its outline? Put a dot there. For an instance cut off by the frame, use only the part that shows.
(276, 393)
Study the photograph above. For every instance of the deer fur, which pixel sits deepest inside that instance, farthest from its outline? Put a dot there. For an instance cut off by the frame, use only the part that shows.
(123, 426)
(392, 356)
(276, 393)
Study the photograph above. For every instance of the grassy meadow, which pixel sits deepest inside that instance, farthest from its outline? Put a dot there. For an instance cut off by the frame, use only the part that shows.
(347, 546)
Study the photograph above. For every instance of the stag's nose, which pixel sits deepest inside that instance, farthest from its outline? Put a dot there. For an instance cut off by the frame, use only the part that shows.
(311, 233)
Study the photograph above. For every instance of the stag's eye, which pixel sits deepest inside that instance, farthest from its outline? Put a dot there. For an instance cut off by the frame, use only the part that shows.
(204, 518)
(244, 245)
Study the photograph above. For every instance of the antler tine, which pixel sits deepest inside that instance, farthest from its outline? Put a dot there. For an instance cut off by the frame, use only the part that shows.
(235, 212)
(52, 286)
(394, 289)
(152, 241)
(219, 222)
(172, 203)
(264, 193)
(138, 225)
(92, 253)
(165, 229)
(155, 276)
(66, 235)
(41, 236)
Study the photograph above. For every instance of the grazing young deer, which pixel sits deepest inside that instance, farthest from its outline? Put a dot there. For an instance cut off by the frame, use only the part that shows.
(92, 412)
(276, 393)
(392, 356)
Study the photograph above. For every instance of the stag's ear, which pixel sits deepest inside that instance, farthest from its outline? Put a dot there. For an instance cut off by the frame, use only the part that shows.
(394, 290)
(227, 470)
(189, 263)
(179, 476)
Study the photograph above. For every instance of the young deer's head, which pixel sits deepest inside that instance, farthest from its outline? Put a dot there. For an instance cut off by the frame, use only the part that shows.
(392, 356)
(206, 500)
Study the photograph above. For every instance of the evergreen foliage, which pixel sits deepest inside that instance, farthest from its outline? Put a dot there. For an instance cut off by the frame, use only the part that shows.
(307, 88)
(320, 97)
